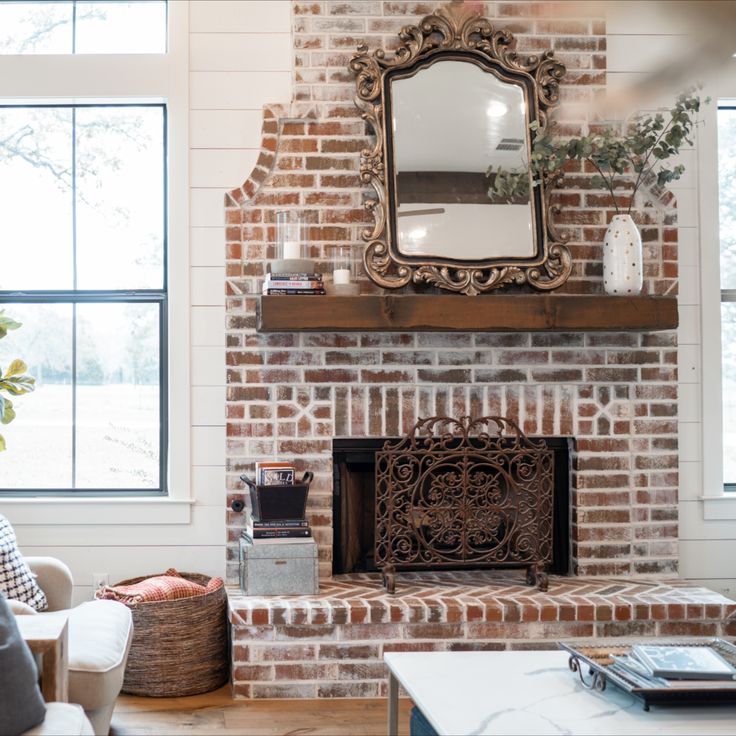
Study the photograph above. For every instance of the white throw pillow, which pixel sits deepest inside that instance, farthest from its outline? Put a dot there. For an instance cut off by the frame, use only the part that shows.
(16, 579)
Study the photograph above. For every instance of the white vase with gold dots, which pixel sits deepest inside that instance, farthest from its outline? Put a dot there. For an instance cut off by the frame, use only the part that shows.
(622, 257)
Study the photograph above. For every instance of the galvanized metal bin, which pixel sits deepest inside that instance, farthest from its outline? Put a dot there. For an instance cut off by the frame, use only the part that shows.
(279, 566)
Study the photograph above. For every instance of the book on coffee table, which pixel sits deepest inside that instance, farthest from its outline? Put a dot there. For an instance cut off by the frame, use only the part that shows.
(682, 662)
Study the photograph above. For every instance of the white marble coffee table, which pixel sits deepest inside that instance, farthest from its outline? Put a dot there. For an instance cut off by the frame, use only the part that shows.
(531, 693)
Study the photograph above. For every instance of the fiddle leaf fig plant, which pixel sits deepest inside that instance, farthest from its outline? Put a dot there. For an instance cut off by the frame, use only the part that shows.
(14, 380)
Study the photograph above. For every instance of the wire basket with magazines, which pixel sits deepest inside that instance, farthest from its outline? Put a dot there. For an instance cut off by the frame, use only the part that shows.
(275, 502)
(682, 672)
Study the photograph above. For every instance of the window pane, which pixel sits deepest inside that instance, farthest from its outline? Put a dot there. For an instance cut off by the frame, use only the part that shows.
(36, 175)
(728, 332)
(120, 197)
(137, 27)
(36, 28)
(727, 195)
(121, 28)
(117, 396)
(39, 439)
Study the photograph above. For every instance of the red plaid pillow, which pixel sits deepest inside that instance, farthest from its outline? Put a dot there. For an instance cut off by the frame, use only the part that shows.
(167, 587)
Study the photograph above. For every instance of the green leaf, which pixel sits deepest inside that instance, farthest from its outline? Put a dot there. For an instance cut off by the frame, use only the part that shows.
(18, 385)
(7, 324)
(7, 413)
(598, 182)
(16, 368)
(2, 443)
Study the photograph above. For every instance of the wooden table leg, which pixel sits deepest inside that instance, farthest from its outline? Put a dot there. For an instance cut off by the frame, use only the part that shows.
(393, 705)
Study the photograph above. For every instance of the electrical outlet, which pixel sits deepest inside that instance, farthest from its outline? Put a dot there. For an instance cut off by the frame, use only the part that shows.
(100, 580)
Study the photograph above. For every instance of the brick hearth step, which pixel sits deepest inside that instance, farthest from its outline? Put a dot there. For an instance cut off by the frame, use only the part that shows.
(332, 644)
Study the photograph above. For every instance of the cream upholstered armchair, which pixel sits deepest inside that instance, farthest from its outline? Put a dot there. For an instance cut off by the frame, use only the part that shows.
(100, 634)
(55, 579)
(62, 719)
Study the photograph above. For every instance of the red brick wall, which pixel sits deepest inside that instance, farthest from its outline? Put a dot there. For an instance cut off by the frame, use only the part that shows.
(289, 394)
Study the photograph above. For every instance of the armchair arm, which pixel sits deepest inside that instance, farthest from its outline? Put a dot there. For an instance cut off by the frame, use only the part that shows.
(55, 579)
(21, 609)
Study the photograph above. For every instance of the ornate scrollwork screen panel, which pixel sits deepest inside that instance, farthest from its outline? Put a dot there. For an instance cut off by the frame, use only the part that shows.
(464, 492)
(451, 110)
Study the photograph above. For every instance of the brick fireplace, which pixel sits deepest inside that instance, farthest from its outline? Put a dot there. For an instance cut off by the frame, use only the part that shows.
(291, 393)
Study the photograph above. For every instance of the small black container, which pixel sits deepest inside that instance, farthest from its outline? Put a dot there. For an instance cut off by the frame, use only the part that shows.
(275, 503)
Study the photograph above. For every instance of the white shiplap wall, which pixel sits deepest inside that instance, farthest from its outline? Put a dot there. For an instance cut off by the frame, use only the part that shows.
(239, 60)
(642, 36)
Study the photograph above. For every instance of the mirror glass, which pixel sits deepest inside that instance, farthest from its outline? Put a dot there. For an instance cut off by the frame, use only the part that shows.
(455, 125)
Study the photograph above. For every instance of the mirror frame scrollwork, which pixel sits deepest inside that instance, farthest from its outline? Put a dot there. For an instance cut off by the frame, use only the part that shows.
(453, 32)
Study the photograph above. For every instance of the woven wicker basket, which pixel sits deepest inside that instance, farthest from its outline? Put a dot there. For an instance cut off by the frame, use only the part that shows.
(179, 647)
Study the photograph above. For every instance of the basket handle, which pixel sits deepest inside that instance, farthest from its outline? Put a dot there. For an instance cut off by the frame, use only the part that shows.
(238, 504)
(248, 481)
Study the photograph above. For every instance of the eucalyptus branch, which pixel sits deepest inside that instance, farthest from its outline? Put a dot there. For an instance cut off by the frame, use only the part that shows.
(644, 163)
(614, 154)
(607, 182)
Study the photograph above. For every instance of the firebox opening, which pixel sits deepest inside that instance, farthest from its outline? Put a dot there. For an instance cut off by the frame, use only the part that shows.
(354, 499)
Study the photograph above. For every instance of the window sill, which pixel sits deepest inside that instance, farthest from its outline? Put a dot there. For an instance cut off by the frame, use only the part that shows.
(115, 511)
(719, 508)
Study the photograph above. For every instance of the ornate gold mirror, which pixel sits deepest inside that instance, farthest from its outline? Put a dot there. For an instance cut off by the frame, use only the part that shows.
(452, 110)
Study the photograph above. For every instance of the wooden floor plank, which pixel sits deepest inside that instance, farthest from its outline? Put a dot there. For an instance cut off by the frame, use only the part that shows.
(217, 712)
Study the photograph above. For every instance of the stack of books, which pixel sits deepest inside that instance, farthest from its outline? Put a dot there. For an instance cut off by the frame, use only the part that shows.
(281, 529)
(276, 474)
(649, 665)
(294, 283)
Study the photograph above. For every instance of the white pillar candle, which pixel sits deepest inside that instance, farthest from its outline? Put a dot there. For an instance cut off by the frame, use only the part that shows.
(341, 276)
(292, 250)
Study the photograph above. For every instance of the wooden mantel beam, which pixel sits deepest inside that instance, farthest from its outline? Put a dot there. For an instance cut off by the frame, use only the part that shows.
(451, 313)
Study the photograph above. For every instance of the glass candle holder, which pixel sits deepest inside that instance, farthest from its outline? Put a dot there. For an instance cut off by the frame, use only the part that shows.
(289, 235)
(291, 244)
(344, 269)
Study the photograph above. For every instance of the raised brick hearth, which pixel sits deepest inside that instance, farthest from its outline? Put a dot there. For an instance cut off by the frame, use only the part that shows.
(332, 644)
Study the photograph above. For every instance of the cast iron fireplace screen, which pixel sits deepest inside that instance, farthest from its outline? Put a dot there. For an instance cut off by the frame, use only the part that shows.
(464, 493)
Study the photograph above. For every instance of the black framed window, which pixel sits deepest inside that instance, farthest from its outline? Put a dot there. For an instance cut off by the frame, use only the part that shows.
(727, 229)
(83, 191)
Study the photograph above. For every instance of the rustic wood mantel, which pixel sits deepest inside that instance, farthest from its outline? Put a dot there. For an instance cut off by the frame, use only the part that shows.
(450, 313)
